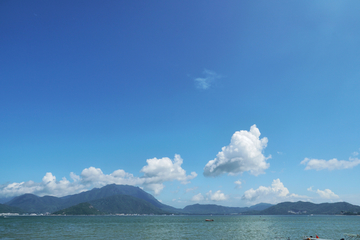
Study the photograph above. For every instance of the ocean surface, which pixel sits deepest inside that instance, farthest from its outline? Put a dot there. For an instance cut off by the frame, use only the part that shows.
(177, 227)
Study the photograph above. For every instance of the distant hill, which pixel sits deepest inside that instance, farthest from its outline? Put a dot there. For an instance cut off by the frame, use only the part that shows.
(217, 209)
(211, 209)
(80, 209)
(260, 206)
(8, 209)
(288, 208)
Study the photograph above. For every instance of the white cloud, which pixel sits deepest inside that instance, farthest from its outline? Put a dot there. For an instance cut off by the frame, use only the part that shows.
(48, 186)
(205, 82)
(74, 177)
(332, 164)
(327, 193)
(95, 177)
(216, 196)
(238, 184)
(197, 198)
(244, 153)
(162, 170)
(275, 193)
(156, 172)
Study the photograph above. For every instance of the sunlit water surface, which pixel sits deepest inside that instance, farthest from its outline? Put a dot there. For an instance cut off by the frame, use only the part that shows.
(177, 227)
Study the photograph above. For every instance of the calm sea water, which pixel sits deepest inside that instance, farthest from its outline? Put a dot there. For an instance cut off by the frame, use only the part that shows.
(177, 227)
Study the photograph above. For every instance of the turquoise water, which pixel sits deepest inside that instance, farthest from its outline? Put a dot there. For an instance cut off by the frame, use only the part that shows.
(177, 227)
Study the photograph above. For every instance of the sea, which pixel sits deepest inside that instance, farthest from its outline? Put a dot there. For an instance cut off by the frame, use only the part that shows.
(177, 227)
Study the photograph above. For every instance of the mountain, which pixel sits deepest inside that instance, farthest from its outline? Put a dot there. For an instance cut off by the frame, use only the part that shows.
(129, 199)
(80, 209)
(34, 204)
(300, 207)
(126, 204)
(8, 209)
(5, 199)
(111, 190)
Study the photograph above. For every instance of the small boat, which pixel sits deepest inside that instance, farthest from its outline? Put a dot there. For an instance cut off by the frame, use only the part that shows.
(209, 220)
(314, 238)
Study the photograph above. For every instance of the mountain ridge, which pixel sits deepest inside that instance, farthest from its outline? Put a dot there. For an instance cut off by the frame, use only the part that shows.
(129, 199)
(306, 208)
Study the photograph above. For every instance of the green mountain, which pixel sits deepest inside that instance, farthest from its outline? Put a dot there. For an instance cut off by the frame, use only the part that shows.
(130, 200)
(118, 204)
(80, 209)
(8, 209)
(288, 208)
(112, 190)
(33, 204)
(126, 204)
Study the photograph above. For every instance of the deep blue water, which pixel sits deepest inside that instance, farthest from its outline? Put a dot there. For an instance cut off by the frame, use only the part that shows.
(177, 227)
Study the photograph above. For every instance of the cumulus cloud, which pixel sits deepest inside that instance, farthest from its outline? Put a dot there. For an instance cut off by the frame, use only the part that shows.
(205, 82)
(48, 186)
(275, 193)
(327, 193)
(244, 153)
(197, 198)
(216, 196)
(156, 172)
(162, 170)
(332, 164)
(95, 177)
(210, 196)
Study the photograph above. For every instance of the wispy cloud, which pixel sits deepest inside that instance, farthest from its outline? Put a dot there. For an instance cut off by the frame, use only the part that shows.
(244, 153)
(191, 189)
(156, 172)
(206, 81)
(332, 164)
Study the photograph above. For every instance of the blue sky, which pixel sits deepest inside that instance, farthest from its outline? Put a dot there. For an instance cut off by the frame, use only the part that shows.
(232, 103)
